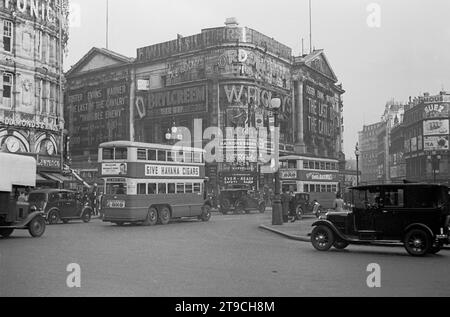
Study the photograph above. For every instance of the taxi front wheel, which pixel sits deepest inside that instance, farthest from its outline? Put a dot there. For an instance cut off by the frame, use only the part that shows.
(417, 242)
(322, 238)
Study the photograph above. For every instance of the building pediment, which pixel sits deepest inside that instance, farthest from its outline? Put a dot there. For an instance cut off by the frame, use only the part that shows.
(96, 59)
(319, 63)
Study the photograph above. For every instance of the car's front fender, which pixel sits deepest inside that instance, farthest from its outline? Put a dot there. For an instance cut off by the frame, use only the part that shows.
(330, 225)
(23, 224)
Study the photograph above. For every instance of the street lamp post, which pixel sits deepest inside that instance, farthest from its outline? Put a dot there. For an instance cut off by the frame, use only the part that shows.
(357, 154)
(435, 162)
(277, 213)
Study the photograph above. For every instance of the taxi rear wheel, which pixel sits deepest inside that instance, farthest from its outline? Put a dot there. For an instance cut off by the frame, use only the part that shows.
(37, 227)
(417, 242)
(6, 233)
(164, 216)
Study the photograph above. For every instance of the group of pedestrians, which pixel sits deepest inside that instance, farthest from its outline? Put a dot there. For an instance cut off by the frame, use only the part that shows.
(92, 198)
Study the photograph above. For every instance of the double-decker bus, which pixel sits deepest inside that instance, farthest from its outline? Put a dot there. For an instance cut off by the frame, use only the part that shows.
(152, 183)
(319, 177)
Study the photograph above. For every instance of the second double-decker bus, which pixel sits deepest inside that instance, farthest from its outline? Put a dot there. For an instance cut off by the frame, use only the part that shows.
(152, 183)
(318, 177)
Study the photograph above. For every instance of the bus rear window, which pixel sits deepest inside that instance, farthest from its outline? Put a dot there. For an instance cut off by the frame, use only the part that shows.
(108, 154)
(121, 154)
(152, 155)
(116, 189)
(142, 154)
(162, 156)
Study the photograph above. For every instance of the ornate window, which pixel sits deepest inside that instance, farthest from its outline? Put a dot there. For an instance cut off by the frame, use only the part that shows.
(7, 35)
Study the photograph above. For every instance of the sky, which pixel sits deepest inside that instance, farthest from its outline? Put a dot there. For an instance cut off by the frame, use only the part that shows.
(403, 51)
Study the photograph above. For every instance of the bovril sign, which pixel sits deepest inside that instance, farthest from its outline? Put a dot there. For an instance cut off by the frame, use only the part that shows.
(288, 174)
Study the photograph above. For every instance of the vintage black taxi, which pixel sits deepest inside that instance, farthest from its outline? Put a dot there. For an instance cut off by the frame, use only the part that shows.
(61, 205)
(240, 200)
(416, 215)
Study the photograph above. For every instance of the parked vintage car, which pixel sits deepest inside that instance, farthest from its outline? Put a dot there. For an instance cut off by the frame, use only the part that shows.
(240, 201)
(416, 215)
(302, 205)
(61, 205)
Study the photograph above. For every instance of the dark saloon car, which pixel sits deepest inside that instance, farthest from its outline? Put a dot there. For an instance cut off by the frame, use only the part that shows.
(60, 205)
(417, 215)
(240, 201)
(302, 205)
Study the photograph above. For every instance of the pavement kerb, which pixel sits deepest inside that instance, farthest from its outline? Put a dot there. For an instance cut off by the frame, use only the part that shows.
(289, 236)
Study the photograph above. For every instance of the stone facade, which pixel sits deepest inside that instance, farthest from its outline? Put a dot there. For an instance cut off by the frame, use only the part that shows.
(31, 112)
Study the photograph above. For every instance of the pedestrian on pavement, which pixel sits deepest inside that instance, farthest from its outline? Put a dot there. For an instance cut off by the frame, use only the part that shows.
(338, 203)
(93, 199)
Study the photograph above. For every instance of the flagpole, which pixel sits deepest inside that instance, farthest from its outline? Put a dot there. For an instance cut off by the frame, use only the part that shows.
(107, 24)
(310, 27)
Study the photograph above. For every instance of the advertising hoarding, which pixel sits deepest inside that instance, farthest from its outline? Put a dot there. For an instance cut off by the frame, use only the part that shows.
(436, 127)
(436, 143)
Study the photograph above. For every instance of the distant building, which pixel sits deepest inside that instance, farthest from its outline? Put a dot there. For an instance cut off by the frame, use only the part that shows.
(368, 145)
(426, 136)
(375, 143)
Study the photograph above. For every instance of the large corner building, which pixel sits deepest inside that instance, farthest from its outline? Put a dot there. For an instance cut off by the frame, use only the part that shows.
(226, 76)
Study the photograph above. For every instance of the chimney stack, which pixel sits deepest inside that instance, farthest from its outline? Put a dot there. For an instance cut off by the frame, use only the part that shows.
(231, 22)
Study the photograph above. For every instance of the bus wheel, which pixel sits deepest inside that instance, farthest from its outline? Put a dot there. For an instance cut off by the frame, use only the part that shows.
(6, 233)
(206, 213)
(164, 216)
(152, 217)
(37, 227)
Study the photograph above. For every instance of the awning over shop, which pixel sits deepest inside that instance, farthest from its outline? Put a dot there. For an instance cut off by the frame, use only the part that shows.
(56, 177)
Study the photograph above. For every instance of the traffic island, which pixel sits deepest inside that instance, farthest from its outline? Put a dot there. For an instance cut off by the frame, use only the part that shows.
(299, 230)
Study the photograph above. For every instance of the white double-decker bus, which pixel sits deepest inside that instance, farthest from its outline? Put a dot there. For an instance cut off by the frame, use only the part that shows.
(152, 183)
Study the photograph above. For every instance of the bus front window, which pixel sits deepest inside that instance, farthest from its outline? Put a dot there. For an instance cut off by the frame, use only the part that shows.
(116, 189)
